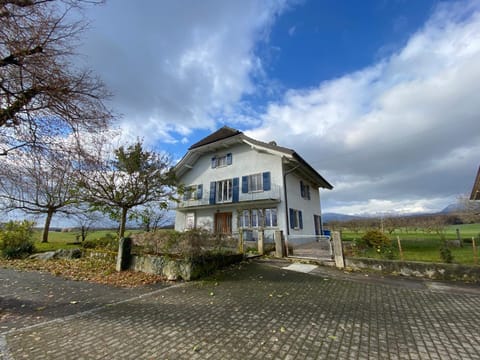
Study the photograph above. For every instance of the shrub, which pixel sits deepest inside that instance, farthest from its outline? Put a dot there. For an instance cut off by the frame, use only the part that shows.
(187, 244)
(107, 242)
(375, 238)
(16, 239)
(446, 254)
(386, 252)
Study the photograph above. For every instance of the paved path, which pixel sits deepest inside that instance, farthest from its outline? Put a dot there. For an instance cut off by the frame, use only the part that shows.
(251, 311)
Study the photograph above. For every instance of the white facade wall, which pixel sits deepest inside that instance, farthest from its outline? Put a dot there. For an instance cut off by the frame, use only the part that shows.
(247, 161)
(307, 207)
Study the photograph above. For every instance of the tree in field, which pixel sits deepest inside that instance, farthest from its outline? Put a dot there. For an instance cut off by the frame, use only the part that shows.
(42, 94)
(468, 210)
(39, 183)
(85, 221)
(151, 217)
(133, 177)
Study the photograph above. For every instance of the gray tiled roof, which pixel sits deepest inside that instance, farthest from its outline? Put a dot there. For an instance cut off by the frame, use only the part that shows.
(220, 134)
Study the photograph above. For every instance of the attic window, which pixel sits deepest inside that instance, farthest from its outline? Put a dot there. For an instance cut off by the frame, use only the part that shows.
(221, 161)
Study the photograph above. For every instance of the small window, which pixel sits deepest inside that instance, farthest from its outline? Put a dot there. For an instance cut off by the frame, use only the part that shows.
(296, 221)
(221, 161)
(255, 182)
(304, 190)
(193, 192)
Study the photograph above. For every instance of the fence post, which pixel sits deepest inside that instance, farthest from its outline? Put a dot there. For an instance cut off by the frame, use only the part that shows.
(459, 237)
(475, 254)
(279, 244)
(124, 250)
(400, 247)
(338, 250)
(240, 241)
(260, 241)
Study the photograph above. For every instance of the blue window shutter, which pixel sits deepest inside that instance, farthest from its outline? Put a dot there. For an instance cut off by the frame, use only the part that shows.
(214, 162)
(292, 219)
(302, 189)
(199, 191)
(229, 159)
(185, 195)
(236, 189)
(244, 184)
(213, 186)
(300, 220)
(266, 181)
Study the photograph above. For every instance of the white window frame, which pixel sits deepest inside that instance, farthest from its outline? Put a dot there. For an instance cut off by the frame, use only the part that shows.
(245, 219)
(255, 182)
(190, 221)
(192, 192)
(224, 191)
(270, 214)
(296, 218)
(221, 161)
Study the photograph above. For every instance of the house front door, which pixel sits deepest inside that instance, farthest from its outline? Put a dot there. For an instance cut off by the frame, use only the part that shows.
(223, 223)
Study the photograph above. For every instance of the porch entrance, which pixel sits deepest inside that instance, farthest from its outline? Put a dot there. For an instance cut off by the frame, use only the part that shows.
(223, 223)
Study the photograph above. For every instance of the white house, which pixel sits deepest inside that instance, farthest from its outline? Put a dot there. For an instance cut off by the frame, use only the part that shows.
(235, 183)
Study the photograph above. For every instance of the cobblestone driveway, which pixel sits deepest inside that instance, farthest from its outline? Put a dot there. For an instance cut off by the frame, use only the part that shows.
(258, 311)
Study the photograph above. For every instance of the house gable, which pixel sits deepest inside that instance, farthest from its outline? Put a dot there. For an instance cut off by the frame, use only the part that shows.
(235, 182)
(226, 137)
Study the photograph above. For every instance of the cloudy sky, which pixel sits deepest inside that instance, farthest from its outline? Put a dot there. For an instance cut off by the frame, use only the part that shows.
(381, 97)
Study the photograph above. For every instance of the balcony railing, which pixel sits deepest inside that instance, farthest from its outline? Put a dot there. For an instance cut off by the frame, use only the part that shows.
(273, 194)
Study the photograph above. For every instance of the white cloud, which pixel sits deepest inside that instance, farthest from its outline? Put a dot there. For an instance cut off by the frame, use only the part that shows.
(176, 66)
(403, 128)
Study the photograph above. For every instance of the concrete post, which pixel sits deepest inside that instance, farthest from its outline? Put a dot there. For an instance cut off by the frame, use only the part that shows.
(260, 242)
(240, 241)
(459, 238)
(124, 251)
(279, 244)
(338, 250)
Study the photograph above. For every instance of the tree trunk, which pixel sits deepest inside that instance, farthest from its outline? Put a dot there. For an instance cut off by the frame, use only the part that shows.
(46, 227)
(123, 222)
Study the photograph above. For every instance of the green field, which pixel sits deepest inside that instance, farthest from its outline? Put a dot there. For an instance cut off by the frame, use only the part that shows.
(425, 246)
(68, 240)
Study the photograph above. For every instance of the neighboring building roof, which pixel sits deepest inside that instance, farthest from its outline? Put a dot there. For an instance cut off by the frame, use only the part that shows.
(228, 136)
(475, 195)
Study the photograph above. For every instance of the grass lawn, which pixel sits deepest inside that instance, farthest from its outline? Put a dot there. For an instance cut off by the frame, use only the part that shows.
(424, 246)
(68, 240)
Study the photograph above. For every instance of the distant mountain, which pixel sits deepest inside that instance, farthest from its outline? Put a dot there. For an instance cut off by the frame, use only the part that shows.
(326, 217)
(451, 209)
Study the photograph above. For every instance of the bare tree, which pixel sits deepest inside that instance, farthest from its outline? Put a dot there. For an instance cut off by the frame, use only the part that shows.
(41, 91)
(468, 210)
(131, 177)
(152, 216)
(38, 182)
(85, 220)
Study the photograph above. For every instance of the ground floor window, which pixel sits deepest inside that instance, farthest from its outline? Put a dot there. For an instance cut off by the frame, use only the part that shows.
(271, 217)
(190, 221)
(296, 221)
(255, 218)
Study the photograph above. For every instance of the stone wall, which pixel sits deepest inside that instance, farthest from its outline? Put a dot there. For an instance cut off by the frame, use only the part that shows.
(185, 269)
(438, 271)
